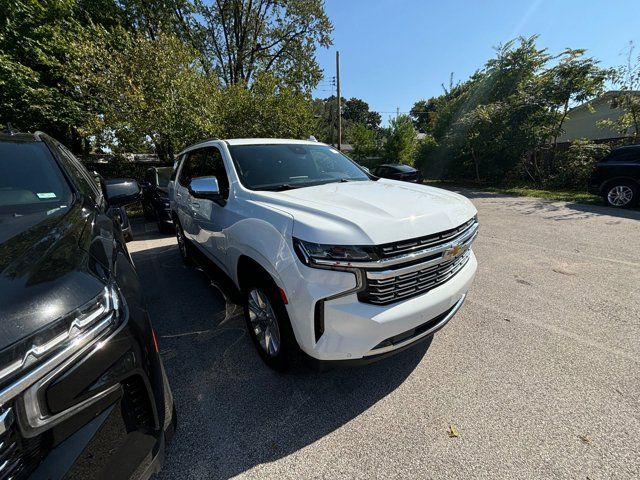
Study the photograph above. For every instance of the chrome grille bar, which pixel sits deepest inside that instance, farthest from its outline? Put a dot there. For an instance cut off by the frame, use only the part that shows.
(399, 289)
(404, 275)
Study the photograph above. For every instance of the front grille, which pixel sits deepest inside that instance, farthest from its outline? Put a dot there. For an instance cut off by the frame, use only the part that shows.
(18, 456)
(419, 265)
(399, 248)
(394, 289)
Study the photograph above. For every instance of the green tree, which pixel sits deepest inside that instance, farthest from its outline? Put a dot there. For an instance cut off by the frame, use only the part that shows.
(627, 78)
(241, 39)
(356, 110)
(422, 113)
(575, 79)
(35, 43)
(400, 142)
(152, 94)
(364, 141)
(267, 109)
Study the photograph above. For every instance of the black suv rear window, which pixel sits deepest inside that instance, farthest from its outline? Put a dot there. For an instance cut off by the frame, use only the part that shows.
(31, 180)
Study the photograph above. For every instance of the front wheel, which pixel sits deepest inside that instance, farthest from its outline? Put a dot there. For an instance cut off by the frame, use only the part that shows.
(622, 194)
(183, 246)
(268, 325)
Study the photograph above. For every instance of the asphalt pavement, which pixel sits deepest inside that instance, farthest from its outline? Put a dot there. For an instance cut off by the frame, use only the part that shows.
(537, 376)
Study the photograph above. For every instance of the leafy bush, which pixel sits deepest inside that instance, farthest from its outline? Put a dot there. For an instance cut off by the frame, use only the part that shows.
(576, 166)
(117, 167)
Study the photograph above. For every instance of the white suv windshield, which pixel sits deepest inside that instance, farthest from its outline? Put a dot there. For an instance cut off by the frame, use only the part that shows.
(285, 166)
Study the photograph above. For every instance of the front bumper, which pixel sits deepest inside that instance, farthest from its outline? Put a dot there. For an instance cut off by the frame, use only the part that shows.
(115, 407)
(357, 330)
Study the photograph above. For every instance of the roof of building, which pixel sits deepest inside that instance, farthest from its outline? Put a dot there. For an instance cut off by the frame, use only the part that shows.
(611, 94)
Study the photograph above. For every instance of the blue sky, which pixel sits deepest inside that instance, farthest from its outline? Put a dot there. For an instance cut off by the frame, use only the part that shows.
(394, 52)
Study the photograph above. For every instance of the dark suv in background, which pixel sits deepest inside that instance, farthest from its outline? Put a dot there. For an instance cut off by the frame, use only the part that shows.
(398, 171)
(155, 197)
(83, 392)
(617, 177)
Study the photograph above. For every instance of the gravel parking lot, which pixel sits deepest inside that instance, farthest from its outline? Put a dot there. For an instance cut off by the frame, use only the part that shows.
(538, 375)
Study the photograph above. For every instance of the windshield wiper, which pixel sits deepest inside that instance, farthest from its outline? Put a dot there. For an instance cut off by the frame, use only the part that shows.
(281, 188)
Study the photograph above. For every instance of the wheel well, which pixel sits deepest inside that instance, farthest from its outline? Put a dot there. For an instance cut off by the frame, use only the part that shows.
(249, 269)
(607, 184)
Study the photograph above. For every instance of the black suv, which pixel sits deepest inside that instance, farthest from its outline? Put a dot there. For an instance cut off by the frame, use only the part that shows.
(155, 197)
(398, 171)
(617, 177)
(83, 392)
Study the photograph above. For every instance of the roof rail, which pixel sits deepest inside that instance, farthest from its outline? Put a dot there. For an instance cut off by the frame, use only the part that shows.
(197, 143)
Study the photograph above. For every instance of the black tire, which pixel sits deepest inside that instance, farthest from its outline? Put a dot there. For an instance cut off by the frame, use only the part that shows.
(621, 194)
(165, 227)
(183, 246)
(148, 211)
(288, 352)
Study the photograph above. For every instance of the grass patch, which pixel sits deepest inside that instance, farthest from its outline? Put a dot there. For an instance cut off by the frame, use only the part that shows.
(135, 210)
(561, 195)
(577, 196)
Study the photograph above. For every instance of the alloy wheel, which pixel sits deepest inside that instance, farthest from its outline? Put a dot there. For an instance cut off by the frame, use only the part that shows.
(620, 195)
(263, 322)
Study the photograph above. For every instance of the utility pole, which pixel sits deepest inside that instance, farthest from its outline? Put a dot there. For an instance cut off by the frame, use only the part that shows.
(339, 101)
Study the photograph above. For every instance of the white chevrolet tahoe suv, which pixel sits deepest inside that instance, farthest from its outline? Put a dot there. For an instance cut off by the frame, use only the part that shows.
(329, 259)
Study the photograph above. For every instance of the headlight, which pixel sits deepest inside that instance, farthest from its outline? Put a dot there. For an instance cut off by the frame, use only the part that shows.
(318, 253)
(31, 358)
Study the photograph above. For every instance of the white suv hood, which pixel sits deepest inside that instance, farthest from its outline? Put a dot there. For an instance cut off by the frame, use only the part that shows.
(368, 213)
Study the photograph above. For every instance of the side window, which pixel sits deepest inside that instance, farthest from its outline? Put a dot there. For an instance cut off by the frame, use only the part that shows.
(82, 180)
(205, 162)
(185, 172)
(176, 167)
(211, 164)
(626, 156)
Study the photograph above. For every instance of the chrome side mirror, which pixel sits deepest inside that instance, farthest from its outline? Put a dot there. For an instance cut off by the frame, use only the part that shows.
(206, 188)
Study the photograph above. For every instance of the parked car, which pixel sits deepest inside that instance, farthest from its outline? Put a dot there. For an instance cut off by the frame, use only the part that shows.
(118, 213)
(330, 260)
(155, 197)
(617, 177)
(83, 392)
(398, 171)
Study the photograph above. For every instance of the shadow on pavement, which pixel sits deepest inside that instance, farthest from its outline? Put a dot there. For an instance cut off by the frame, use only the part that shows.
(233, 412)
(556, 210)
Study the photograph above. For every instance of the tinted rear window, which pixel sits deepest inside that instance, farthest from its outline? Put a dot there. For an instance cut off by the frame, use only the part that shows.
(31, 180)
(163, 176)
(624, 155)
(403, 168)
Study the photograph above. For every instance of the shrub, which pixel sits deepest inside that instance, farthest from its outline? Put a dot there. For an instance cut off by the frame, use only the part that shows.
(576, 166)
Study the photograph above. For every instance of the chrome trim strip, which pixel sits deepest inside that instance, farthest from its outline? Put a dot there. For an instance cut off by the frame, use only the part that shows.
(437, 326)
(384, 274)
(409, 257)
(6, 419)
(412, 245)
(32, 419)
(384, 298)
(23, 382)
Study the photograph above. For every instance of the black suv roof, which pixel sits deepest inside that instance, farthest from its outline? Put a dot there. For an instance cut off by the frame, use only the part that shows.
(10, 134)
(626, 147)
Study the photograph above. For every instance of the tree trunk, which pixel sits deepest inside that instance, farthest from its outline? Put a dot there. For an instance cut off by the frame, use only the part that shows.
(475, 162)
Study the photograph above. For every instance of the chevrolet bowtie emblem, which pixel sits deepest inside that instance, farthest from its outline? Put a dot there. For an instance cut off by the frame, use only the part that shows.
(452, 252)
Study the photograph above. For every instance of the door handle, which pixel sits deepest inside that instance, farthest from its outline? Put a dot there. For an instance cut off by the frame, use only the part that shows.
(195, 204)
